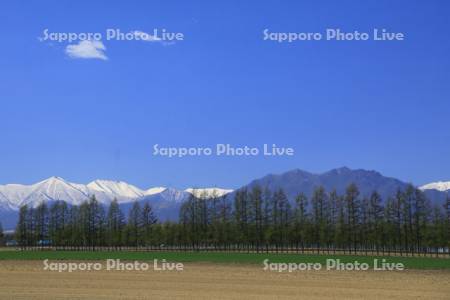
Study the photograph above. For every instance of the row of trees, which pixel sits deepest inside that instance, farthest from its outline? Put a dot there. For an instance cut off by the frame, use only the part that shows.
(86, 225)
(256, 218)
(407, 221)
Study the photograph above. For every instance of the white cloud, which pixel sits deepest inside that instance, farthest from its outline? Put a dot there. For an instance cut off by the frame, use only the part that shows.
(87, 49)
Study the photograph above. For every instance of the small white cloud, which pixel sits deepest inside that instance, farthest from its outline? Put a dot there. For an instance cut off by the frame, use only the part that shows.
(87, 49)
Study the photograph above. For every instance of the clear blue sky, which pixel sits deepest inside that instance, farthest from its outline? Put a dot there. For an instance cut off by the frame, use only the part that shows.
(372, 105)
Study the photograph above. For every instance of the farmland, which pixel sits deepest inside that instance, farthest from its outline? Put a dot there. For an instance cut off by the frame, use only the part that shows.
(26, 279)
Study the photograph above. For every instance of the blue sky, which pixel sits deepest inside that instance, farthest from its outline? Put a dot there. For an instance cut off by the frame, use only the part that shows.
(371, 105)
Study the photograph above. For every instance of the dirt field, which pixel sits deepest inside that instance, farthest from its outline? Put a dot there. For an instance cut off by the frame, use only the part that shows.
(28, 280)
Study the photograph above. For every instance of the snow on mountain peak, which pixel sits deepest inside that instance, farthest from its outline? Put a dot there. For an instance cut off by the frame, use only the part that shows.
(441, 186)
(12, 196)
(55, 188)
(154, 190)
(119, 189)
(208, 192)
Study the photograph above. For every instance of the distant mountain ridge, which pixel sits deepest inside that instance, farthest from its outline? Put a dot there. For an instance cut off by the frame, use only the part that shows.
(299, 181)
(56, 188)
(167, 201)
(12, 196)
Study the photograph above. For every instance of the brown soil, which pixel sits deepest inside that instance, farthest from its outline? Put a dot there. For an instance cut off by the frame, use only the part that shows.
(28, 280)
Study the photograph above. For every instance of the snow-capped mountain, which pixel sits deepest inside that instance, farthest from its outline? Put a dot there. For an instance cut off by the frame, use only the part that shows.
(55, 188)
(441, 186)
(12, 196)
(153, 191)
(120, 190)
(165, 201)
(208, 192)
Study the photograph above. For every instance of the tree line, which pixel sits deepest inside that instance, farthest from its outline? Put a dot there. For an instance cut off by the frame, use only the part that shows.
(88, 225)
(260, 218)
(255, 218)
(2, 235)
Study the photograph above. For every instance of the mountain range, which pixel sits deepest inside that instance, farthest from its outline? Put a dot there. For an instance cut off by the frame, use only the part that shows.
(295, 181)
(167, 201)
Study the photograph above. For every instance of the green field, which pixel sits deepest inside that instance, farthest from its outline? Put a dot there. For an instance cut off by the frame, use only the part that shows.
(220, 257)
